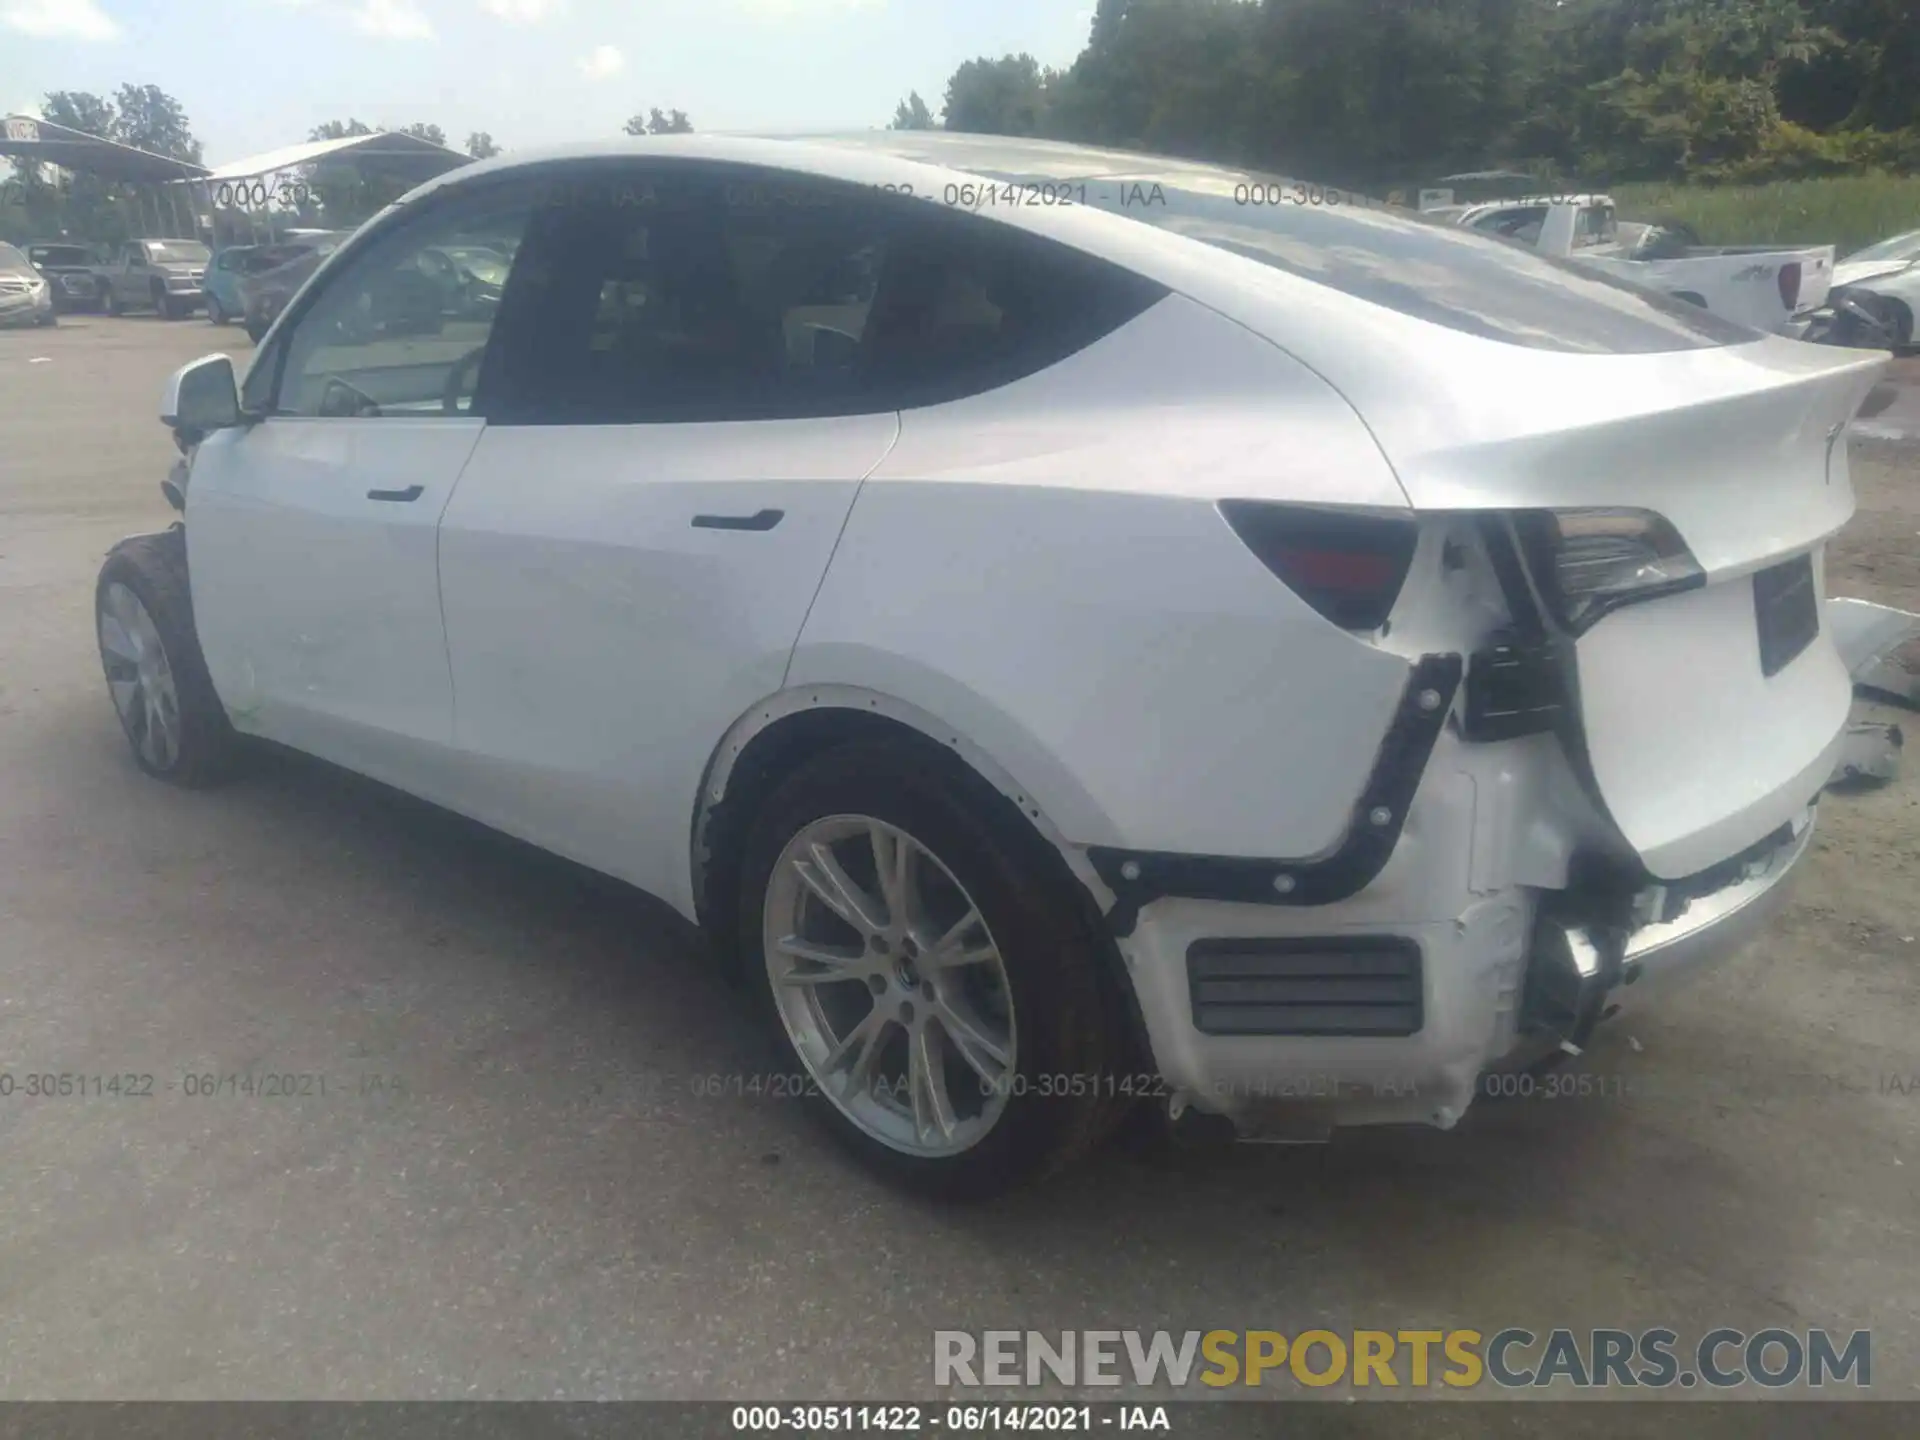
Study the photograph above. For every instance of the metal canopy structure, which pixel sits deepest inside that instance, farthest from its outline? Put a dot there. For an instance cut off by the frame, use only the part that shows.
(41, 142)
(403, 157)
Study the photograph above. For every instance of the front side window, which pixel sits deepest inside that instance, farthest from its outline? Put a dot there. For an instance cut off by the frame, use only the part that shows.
(719, 293)
(400, 330)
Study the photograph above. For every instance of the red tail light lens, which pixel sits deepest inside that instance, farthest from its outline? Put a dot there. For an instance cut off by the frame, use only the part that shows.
(1348, 567)
(1790, 284)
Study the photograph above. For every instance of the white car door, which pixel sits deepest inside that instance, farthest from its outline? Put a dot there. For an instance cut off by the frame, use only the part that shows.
(312, 530)
(669, 459)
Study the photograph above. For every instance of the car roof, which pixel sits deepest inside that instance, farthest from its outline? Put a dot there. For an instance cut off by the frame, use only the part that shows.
(833, 154)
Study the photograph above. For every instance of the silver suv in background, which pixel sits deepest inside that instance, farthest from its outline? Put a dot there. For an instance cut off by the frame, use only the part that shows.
(25, 296)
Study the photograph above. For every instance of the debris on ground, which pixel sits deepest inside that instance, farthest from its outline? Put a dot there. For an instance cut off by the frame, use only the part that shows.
(1869, 758)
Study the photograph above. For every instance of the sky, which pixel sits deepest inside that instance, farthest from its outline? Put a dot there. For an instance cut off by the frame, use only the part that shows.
(255, 75)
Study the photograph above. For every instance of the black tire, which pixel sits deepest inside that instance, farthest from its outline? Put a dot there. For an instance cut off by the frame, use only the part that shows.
(216, 313)
(113, 302)
(162, 303)
(154, 568)
(256, 331)
(1062, 1002)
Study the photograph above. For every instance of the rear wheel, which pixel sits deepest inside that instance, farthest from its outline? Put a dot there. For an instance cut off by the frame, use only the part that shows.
(942, 1003)
(1893, 321)
(216, 312)
(113, 302)
(156, 675)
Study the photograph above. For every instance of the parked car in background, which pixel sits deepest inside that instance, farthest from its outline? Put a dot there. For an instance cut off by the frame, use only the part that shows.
(222, 285)
(1769, 287)
(26, 297)
(1277, 664)
(470, 277)
(1876, 294)
(280, 270)
(159, 275)
(69, 271)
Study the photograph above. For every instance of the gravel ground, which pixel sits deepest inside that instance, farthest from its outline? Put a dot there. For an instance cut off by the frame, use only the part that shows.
(511, 1190)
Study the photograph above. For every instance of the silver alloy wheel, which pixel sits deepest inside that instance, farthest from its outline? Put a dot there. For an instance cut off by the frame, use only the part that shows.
(890, 985)
(139, 676)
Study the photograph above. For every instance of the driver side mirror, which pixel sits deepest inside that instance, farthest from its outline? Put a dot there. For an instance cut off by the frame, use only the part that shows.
(199, 399)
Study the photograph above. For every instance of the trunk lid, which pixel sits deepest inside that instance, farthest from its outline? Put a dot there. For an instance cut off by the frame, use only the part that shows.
(1699, 742)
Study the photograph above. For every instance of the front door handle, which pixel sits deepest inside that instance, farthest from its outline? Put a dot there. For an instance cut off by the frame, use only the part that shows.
(765, 520)
(411, 493)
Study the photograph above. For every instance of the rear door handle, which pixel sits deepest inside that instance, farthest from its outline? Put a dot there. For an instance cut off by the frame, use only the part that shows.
(411, 493)
(765, 520)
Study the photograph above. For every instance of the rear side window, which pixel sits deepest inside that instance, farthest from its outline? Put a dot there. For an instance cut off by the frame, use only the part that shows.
(705, 293)
(1430, 269)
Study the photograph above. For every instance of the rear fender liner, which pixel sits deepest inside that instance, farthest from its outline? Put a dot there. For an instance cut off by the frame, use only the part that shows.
(857, 700)
(1138, 877)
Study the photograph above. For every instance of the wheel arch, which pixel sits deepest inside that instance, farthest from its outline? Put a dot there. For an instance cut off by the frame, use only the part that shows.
(784, 731)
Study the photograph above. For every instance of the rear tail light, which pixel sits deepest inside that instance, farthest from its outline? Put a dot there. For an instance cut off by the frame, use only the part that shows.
(1790, 284)
(1588, 562)
(1348, 567)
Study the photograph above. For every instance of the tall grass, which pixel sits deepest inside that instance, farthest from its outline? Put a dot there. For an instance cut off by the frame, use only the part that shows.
(1846, 211)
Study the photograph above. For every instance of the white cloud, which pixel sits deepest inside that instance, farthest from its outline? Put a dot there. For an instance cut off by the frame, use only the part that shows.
(59, 19)
(523, 12)
(791, 9)
(392, 20)
(605, 61)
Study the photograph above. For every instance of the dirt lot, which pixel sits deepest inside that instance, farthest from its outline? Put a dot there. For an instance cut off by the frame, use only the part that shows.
(511, 1190)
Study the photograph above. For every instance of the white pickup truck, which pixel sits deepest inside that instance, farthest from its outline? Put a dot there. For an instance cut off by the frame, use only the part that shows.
(1763, 286)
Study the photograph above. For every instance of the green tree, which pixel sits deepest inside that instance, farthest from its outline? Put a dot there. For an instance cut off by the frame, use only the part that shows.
(1008, 96)
(912, 114)
(150, 119)
(656, 122)
(431, 133)
(339, 130)
(480, 145)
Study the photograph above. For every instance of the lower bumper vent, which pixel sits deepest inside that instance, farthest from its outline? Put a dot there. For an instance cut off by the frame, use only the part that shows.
(1329, 985)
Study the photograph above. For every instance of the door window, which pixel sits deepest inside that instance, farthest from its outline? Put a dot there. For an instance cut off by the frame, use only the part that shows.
(724, 294)
(402, 327)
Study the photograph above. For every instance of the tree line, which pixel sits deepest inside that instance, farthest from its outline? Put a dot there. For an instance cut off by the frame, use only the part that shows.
(1386, 93)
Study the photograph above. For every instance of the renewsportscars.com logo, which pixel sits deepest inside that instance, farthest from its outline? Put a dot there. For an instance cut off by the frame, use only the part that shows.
(1513, 1358)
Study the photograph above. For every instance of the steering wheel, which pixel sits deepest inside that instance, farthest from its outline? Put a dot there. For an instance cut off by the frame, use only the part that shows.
(458, 379)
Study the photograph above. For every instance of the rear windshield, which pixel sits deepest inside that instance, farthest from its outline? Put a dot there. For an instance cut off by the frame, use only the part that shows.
(59, 255)
(176, 252)
(1422, 267)
(1900, 247)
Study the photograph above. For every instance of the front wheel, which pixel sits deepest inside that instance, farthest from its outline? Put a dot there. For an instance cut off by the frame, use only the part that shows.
(156, 675)
(941, 998)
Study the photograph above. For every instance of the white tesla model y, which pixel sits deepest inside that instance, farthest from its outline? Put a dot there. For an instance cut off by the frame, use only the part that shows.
(1076, 626)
